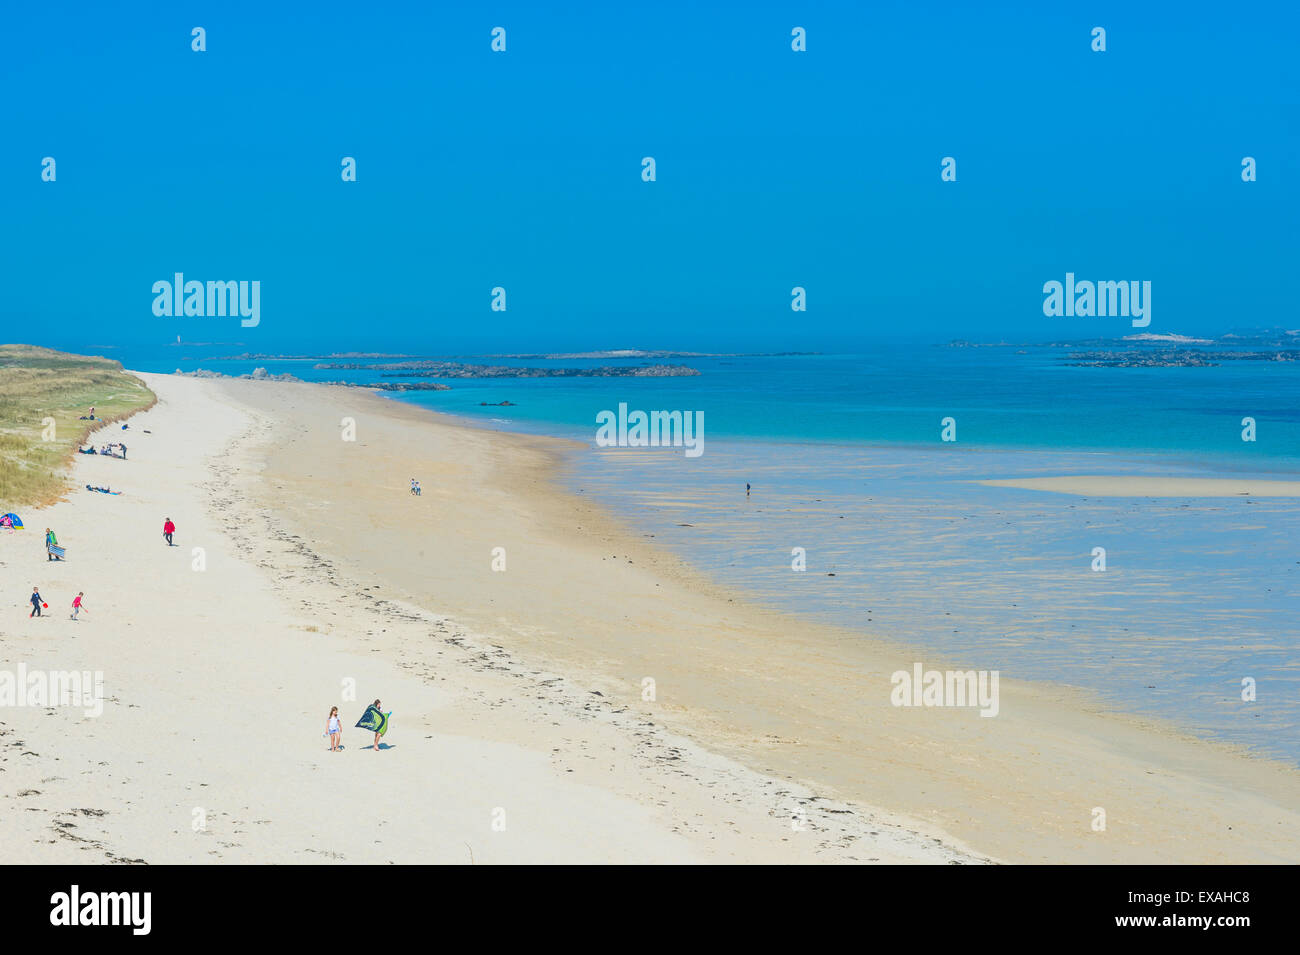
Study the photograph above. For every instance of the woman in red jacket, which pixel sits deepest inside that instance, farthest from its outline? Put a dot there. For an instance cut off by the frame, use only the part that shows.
(168, 530)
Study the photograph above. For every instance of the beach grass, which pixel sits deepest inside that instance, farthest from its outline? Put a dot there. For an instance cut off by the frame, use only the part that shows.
(38, 384)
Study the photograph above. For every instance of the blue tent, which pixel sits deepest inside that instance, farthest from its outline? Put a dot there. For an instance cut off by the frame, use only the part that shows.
(11, 520)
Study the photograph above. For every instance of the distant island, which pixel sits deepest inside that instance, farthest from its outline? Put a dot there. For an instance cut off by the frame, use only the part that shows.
(1169, 358)
(261, 374)
(451, 369)
(262, 356)
(637, 353)
(1150, 350)
(608, 355)
(406, 386)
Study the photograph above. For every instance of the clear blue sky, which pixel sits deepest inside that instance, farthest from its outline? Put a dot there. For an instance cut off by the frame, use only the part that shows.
(522, 169)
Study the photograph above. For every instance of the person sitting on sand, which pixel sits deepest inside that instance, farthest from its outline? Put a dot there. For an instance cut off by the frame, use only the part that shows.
(334, 730)
(76, 604)
(36, 612)
(168, 530)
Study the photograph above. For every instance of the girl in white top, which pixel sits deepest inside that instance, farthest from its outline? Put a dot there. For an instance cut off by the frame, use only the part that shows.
(334, 729)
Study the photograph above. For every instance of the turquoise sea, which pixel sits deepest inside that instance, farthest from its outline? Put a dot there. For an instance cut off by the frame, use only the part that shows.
(845, 460)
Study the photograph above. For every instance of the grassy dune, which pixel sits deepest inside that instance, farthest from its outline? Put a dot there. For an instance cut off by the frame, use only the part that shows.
(39, 383)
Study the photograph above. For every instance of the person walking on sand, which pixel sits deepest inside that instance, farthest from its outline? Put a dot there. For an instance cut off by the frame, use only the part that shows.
(168, 530)
(36, 607)
(76, 604)
(50, 540)
(380, 708)
(334, 729)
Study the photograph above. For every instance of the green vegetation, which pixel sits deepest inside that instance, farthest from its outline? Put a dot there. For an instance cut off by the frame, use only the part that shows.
(37, 384)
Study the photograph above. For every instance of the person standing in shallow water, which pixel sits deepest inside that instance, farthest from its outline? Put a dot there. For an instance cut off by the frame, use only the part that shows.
(168, 530)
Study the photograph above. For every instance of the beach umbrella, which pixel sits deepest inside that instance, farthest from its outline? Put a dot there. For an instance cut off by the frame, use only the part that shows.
(11, 520)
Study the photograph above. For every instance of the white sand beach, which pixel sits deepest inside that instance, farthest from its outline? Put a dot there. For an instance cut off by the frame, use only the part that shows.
(517, 694)
(219, 681)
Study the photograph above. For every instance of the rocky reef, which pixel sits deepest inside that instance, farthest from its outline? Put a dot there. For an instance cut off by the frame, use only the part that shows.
(451, 369)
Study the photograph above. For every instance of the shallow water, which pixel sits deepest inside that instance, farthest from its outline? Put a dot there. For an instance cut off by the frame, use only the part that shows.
(1197, 592)
(999, 396)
